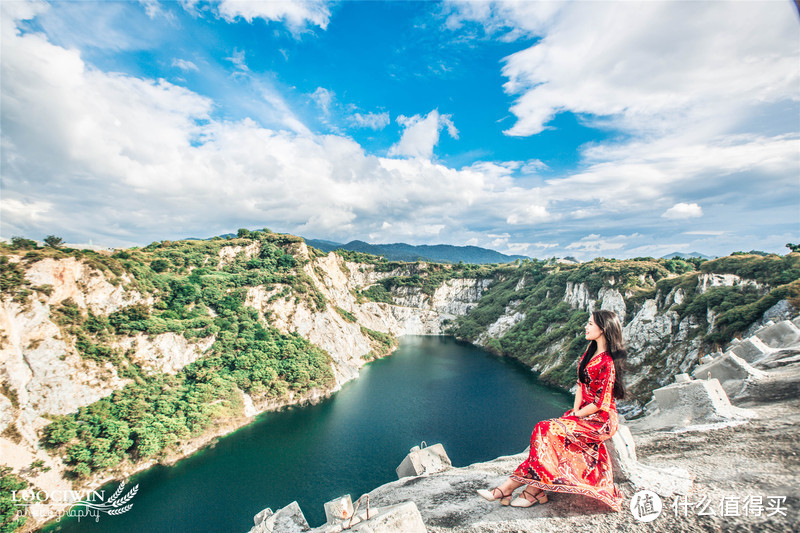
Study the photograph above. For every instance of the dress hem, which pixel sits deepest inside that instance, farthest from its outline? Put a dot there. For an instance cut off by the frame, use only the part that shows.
(568, 489)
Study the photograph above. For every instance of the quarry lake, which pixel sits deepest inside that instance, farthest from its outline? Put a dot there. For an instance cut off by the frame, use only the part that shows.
(431, 389)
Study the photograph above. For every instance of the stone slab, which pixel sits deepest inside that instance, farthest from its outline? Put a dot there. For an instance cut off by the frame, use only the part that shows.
(424, 461)
(751, 349)
(728, 367)
(338, 509)
(694, 403)
(781, 335)
(289, 519)
(400, 518)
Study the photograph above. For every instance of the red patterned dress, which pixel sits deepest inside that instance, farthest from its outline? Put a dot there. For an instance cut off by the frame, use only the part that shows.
(567, 454)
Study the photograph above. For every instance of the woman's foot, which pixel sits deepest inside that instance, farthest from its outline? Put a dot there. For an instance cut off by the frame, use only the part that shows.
(496, 494)
(528, 498)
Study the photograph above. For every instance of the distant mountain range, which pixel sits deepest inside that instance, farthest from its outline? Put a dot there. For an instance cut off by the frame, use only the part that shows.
(681, 255)
(440, 253)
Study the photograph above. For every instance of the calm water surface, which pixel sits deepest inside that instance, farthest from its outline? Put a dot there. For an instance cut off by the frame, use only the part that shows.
(432, 388)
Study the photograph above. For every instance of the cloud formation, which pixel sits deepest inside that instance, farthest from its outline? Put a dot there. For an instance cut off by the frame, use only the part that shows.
(683, 210)
(296, 14)
(184, 64)
(421, 134)
(640, 67)
(373, 121)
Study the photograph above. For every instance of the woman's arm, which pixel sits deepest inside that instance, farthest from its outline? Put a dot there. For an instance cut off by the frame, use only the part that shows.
(578, 398)
(588, 409)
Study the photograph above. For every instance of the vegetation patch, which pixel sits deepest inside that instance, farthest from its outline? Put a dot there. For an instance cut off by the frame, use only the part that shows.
(383, 343)
(11, 514)
(347, 315)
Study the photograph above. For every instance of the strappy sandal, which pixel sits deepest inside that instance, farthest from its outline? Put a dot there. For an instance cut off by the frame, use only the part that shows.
(522, 501)
(505, 499)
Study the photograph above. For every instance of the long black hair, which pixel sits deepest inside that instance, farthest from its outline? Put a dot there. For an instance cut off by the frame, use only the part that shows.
(615, 346)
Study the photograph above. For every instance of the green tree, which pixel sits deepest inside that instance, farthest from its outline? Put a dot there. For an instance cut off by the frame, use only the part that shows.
(159, 265)
(10, 514)
(53, 242)
(793, 247)
(21, 243)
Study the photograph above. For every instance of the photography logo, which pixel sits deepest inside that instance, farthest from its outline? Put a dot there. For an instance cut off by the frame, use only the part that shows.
(645, 506)
(78, 504)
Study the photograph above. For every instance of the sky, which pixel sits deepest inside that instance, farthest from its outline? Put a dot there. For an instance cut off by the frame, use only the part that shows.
(583, 129)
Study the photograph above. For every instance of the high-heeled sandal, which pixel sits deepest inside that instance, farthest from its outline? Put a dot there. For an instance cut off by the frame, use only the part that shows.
(522, 501)
(505, 499)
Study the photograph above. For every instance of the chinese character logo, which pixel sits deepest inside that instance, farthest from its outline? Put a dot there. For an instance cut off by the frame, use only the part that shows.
(645, 506)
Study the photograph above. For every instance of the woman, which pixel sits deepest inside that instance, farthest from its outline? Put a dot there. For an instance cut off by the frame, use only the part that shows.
(567, 454)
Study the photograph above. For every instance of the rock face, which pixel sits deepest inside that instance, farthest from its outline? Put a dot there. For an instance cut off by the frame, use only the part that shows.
(413, 313)
(167, 352)
(38, 366)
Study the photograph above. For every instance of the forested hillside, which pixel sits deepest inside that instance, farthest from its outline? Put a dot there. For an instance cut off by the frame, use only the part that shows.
(704, 305)
(194, 293)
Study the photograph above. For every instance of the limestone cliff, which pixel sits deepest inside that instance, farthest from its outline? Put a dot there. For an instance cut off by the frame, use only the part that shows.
(669, 321)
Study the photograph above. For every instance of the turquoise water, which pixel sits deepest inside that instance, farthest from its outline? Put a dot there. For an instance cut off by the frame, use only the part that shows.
(432, 388)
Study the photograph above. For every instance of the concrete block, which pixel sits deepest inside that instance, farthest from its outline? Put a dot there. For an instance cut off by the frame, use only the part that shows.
(696, 402)
(401, 518)
(728, 367)
(796, 321)
(263, 515)
(781, 335)
(421, 461)
(751, 349)
(708, 358)
(289, 519)
(664, 481)
(682, 378)
(339, 509)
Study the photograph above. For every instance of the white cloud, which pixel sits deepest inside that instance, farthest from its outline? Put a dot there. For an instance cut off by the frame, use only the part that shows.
(238, 60)
(421, 134)
(184, 64)
(533, 166)
(374, 121)
(528, 215)
(594, 243)
(683, 210)
(154, 10)
(324, 98)
(705, 232)
(641, 67)
(297, 14)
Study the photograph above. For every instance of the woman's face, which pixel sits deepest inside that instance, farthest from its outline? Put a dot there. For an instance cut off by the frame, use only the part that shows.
(593, 331)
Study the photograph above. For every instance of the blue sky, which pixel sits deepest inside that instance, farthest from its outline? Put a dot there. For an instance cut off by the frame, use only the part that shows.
(547, 129)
